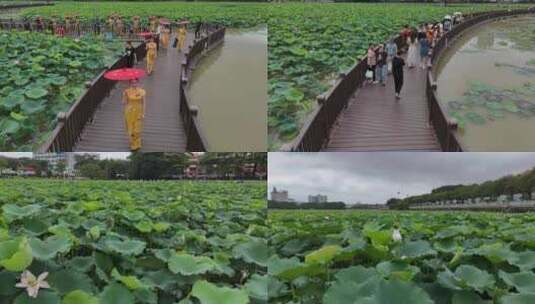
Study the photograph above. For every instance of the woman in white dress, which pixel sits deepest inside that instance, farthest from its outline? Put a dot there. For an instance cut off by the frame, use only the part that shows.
(413, 56)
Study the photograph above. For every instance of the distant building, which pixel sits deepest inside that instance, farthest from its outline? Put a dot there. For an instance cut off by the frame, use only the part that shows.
(317, 198)
(279, 196)
(54, 159)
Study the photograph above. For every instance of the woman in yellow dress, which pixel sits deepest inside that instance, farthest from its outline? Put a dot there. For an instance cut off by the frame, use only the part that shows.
(151, 55)
(165, 36)
(134, 113)
(182, 32)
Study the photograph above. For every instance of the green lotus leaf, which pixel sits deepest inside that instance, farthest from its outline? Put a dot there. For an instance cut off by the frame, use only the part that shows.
(467, 297)
(36, 93)
(397, 269)
(290, 269)
(398, 292)
(43, 297)
(323, 255)
(12, 100)
(517, 299)
(257, 287)
(351, 283)
(81, 264)
(15, 255)
(294, 95)
(255, 251)
(30, 107)
(524, 282)
(524, 260)
(144, 226)
(161, 226)
(126, 247)
(7, 283)
(14, 212)
(186, 264)
(49, 248)
(58, 80)
(475, 118)
(208, 293)
(495, 253)
(116, 293)
(79, 297)
(510, 106)
(466, 277)
(416, 249)
(65, 281)
(129, 281)
(9, 126)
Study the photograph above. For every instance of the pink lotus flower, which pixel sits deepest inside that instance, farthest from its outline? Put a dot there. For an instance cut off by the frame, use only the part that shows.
(32, 284)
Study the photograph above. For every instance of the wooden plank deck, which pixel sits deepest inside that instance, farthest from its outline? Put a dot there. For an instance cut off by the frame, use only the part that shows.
(163, 129)
(375, 121)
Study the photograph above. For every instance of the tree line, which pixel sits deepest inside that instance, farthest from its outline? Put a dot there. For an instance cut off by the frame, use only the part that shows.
(523, 183)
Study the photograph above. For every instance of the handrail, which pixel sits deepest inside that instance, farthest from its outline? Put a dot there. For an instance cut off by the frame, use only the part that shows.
(446, 127)
(25, 5)
(196, 141)
(315, 132)
(70, 124)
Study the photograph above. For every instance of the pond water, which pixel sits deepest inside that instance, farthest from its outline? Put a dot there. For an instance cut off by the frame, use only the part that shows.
(230, 88)
(487, 82)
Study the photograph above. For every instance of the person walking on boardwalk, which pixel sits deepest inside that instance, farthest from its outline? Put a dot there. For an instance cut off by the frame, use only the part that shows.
(181, 36)
(130, 52)
(134, 113)
(391, 51)
(151, 55)
(164, 36)
(397, 72)
(381, 69)
(371, 61)
(425, 47)
(412, 55)
(198, 29)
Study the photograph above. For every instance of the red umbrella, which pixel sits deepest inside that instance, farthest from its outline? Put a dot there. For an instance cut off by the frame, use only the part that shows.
(183, 22)
(124, 74)
(164, 21)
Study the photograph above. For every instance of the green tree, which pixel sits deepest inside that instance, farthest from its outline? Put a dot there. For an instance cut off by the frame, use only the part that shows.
(92, 171)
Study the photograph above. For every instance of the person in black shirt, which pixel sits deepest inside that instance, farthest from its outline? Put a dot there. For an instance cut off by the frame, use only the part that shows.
(397, 72)
(130, 54)
(198, 29)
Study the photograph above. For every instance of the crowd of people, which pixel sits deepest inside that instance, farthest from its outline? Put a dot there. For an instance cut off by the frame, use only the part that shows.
(418, 43)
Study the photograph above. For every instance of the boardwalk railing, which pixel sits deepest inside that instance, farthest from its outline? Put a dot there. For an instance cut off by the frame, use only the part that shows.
(315, 132)
(14, 5)
(446, 127)
(70, 124)
(196, 140)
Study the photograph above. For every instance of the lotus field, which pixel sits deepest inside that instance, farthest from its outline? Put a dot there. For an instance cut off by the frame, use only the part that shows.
(115, 242)
(40, 76)
(395, 257)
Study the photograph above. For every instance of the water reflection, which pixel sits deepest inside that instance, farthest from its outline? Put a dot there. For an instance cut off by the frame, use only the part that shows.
(230, 88)
(487, 82)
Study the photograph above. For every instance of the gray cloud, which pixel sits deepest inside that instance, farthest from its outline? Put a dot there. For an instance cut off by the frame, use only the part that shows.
(376, 176)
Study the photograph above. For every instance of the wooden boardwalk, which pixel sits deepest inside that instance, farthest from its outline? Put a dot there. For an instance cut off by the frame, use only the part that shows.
(375, 121)
(163, 129)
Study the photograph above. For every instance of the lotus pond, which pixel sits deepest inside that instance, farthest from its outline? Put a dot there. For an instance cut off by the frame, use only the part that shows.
(341, 257)
(125, 242)
(486, 81)
(40, 76)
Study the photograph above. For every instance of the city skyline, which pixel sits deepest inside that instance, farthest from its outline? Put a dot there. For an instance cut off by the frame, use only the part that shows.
(373, 178)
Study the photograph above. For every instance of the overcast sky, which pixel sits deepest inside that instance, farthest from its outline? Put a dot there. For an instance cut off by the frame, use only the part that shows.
(377, 176)
(103, 155)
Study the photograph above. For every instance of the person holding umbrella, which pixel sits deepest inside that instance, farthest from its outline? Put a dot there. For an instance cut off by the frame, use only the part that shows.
(134, 113)
(133, 101)
(151, 55)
